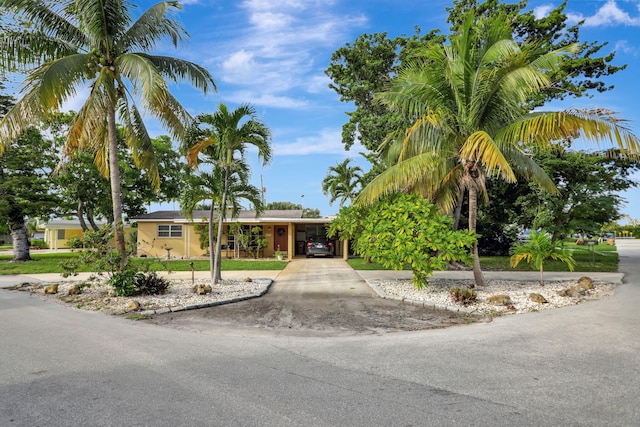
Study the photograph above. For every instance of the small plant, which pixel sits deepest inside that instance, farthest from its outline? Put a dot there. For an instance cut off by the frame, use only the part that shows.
(538, 249)
(464, 296)
(150, 284)
(75, 243)
(124, 282)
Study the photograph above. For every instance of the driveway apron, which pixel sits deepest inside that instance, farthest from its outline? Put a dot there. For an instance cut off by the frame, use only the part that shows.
(311, 276)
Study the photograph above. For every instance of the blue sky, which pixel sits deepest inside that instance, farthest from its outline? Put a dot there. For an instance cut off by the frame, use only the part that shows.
(272, 54)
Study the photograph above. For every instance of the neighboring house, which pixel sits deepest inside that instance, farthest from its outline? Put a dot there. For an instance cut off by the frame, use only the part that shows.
(57, 233)
(171, 233)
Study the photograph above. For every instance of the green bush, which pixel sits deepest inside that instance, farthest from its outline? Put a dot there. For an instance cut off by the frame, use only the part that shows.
(75, 243)
(124, 282)
(40, 244)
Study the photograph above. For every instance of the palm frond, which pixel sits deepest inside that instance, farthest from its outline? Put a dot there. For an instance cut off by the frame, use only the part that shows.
(180, 70)
(151, 27)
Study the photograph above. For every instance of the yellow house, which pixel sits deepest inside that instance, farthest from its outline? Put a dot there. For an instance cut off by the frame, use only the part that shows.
(58, 233)
(172, 234)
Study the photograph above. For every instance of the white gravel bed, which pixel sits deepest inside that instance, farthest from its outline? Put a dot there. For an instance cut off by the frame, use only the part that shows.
(437, 294)
(99, 296)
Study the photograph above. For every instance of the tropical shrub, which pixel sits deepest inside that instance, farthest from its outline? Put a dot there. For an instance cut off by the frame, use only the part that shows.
(405, 229)
(537, 250)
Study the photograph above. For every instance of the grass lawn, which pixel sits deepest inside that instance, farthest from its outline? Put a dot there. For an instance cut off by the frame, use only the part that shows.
(50, 263)
(602, 258)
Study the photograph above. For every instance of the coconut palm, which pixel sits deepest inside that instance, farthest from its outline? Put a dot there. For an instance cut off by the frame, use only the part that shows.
(467, 104)
(223, 138)
(342, 182)
(69, 46)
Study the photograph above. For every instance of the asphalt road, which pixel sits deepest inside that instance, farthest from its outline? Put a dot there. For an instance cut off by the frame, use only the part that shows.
(577, 366)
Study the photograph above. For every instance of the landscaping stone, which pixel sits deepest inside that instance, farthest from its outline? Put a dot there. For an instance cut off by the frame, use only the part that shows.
(51, 289)
(536, 297)
(499, 300)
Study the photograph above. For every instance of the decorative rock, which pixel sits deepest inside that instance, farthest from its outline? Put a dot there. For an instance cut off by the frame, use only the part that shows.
(536, 297)
(248, 280)
(134, 306)
(499, 300)
(202, 289)
(573, 291)
(51, 289)
(585, 283)
(75, 290)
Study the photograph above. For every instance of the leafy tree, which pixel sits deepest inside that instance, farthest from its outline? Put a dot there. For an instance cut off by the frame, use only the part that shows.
(588, 192)
(26, 187)
(221, 137)
(407, 230)
(466, 101)
(96, 43)
(342, 182)
(288, 206)
(537, 250)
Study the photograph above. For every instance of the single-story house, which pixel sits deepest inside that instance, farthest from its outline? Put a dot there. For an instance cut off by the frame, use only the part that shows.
(172, 234)
(58, 232)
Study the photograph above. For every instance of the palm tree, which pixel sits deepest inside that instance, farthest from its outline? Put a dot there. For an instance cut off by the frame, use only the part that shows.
(467, 102)
(72, 45)
(536, 250)
(224, 142)
(208, 186)
(342, 182)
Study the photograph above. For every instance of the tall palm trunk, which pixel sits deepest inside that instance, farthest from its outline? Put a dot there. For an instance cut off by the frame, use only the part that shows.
(472, 185)
(212, 248)
(114, 177)
(20, 241)
(216, 274)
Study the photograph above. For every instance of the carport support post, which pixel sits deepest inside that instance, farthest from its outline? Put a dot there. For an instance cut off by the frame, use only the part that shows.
(345, 249)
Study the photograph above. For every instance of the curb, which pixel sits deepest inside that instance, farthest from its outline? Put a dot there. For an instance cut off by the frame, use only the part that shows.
(426, 304)
(165, 310)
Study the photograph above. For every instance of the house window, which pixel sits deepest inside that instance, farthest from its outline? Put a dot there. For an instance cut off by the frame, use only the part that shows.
(61, 234)
(169, 230)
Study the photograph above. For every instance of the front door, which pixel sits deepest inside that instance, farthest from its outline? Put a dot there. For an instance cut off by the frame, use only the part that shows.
(281, 238)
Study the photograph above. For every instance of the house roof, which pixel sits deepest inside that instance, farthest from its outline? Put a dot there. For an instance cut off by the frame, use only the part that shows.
(68, 224)
(243, 216)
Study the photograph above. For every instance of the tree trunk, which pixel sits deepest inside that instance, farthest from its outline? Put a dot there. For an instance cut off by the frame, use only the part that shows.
(216, 273)
(83, 224)
(212, 249)
(458, 211)
(20, 241)
(114, 178)
(91, 219)
(473, 215)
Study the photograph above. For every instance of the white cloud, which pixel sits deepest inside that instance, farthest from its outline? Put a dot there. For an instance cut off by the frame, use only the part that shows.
(265, 99)
(542, 11)
(318, 83)
(625, 47)
(328, 141)
(277, 54)
(609, 14)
